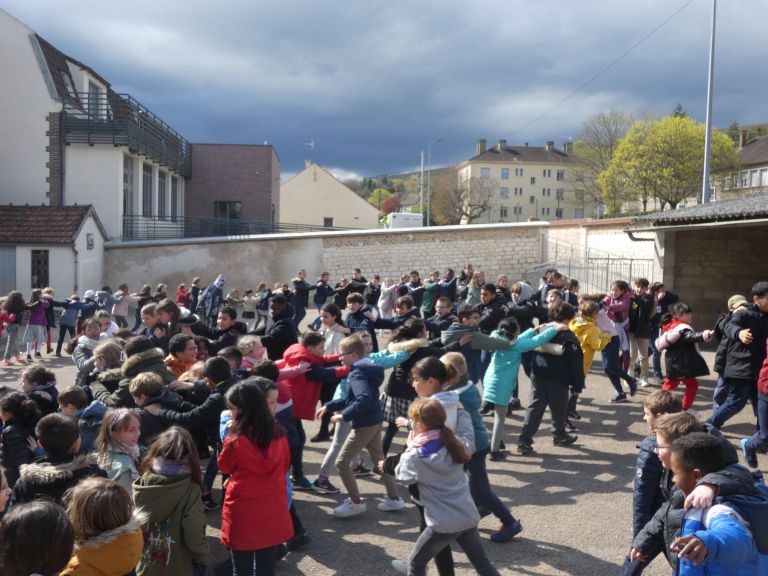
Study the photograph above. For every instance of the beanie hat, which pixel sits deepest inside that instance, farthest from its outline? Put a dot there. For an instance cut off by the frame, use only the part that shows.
(735, 301)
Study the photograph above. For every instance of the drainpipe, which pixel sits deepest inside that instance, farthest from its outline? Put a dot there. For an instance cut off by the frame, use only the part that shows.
(77, 270)
(634, 238)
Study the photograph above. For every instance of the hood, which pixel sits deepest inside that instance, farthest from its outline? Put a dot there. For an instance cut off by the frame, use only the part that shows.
(49, 473)
(95, 410)
(254, 459)
(135, 364)
(296, 353)
(159, 495)
(579, 325)
(408, 345)
(674, 323)
(526, 292)
(110, 375)
(114, 552)
(220, 281)
(167, 398)
(47, 390)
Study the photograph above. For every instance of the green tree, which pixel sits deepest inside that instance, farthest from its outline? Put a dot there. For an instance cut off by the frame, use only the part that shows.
(733, 132)
(663, 159)
(378, 196)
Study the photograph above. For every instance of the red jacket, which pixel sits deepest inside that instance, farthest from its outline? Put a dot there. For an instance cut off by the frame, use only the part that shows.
(762, 379)
(255, 513)
(306, 387)
(183, 298)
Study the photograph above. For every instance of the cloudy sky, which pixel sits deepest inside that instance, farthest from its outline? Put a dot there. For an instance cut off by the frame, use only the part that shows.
(372, 81)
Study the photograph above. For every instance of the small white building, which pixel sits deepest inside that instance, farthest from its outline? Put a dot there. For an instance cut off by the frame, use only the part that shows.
(61, 247)
(315, 197)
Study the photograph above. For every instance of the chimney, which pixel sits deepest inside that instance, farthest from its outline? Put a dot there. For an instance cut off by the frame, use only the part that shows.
(308, 163)
(568, 147)
(502, 144)
(480, 146)
(742, 139)
(526, 144)
(550, 146)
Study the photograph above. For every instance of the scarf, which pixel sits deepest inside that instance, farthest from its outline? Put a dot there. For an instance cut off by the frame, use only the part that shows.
(167, 467)
(426, 443)
(133, 451)
(89, 343)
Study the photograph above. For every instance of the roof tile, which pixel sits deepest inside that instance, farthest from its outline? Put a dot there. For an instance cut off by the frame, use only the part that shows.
(40, 224)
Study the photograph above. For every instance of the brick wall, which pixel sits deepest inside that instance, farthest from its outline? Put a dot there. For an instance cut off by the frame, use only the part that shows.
(54, 178)
(236, 173)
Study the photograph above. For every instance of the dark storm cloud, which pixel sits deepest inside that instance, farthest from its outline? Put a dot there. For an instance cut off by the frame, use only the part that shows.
(372, 81)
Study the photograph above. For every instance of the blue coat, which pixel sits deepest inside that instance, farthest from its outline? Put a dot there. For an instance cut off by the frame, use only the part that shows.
(500, 380)
(361, 406)
(647, 495)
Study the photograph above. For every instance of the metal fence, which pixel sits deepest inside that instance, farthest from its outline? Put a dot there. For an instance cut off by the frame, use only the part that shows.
(595, 270)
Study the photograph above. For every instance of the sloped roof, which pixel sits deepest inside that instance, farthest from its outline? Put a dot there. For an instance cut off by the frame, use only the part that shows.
(523, 154)
(749, 207)
(57, 66)
(43, 224)
(755, 152)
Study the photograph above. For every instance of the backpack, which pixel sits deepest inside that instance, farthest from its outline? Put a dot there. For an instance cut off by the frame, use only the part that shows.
(754, 509)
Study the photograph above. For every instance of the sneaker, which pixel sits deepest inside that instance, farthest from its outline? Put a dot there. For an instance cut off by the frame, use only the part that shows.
(349, 509)
(29, 358)
(301, 482)
(7, 362)
(620, 397)
(643, 383)
(400, 566)
(320, 437)
(506, 533)
(632, 386)
(574, 415)
(299, 540)
(658, 380)
(525, 449)
(497, 456)
(38, 356)
(323, 485)
(750, 454)
(281, 551)
(390, 505)
(58, 354)
(209, 503)
(49, 351)
(361, 471)
(486, 408)
(566, 440)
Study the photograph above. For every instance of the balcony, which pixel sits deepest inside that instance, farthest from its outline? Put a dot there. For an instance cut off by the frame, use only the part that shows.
(117, 119)
(136, 227)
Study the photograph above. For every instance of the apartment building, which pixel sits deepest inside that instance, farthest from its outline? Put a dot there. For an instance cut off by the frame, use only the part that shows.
(752, 175)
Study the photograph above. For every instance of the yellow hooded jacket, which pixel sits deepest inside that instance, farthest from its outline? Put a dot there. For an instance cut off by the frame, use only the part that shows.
(590, 338)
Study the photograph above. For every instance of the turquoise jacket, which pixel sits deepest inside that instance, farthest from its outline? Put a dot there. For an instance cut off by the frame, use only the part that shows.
(383, 359)
(500, 379)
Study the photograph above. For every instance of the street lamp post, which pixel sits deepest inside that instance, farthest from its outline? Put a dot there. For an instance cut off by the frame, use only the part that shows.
(429, 172)
(705, 190)
(421, 187)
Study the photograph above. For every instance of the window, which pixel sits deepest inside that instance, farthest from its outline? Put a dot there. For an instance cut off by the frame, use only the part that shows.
(40, 269)
(533, 180)
(505, 173)
(546, 191)
(518, 171)
(518, 210)
(127, 185)
(545, 211)
(504, 192)
(94, 98)
(485, 173)
(518, 191)
(560, 175)
(227, 210)
(146, 190)
(327, 222)
(503, 213)
(547, 173)
(174, 198)
(161, 178)
(559, 212)
(533, 200)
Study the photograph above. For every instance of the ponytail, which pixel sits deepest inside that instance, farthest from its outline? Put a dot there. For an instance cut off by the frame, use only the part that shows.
(454, 446)
(21, 407)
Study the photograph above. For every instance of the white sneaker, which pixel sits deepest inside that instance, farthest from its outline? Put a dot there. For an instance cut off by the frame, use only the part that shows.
(349, 509)
(400, 566)
(643, 383)
(389, 505)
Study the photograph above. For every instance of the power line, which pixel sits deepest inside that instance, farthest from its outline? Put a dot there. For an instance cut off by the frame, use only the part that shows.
(604, 70)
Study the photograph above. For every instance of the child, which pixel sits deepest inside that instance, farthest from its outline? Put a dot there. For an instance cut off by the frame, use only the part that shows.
(759, 440)
(435, 458)
(35, 335)
(36, 538)
(617, 305)
(430, 294)
(182, 354)
(118, 446)
(108, 533)
(360, 407)
(67, 321)
(62, 467)
(252, 350)
(500, 379)
(20, 416)
(39, 385)
(183, 295)
(50, 317)
(683, 360)
(442, 319)
(13, 306)
(82, 348)
(147, 389)
(169, 492)
(642, 307)
(73, 402)
(104, 319)
(714, 539)
(358, 319)
(590, 338)
(256, 458)
(387, 297)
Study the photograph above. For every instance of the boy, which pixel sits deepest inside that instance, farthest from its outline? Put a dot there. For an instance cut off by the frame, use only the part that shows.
(73, 402)
(62, 467)
(147, 389)
(182, 354)
(227, 331)
(441, 321)
(405, 309)
(641, 309)
(233, 355)
(362, 408)
(277, 333)
(358, 319)
(430, 293)
(104, 319)
(715, 539)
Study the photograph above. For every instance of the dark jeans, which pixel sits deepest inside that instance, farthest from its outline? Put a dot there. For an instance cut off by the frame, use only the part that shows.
(297, 452)
(655, 352)
(482, 493)
(430, 543)
(443, 556)
(298, 315)
(720, 393)
(759, 440)
(611, 355)
(212, 469)
(253, 562)
(545, 393)
(739, 392)
(63, 330)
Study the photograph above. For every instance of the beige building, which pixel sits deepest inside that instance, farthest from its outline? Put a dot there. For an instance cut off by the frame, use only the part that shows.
(525, 183)
(314, 197)
(752, 175)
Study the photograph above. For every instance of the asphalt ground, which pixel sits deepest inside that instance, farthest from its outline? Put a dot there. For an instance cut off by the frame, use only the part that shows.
(574, 502)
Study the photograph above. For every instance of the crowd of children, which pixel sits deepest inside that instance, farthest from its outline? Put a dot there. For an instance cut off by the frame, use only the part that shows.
(112, 461)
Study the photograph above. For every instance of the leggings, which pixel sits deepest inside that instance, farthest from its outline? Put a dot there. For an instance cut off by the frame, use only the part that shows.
(691, 387)
(499, 416)
(431, 542)
(63, 330)
(12, 343)
(444, 556)
(253, 562)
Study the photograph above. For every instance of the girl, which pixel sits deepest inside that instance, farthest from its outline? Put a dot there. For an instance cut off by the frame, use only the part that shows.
(256, 457)
(591, 338)
(169, 492)
(19, 415)
(108, 533)
(161, 293)
(50, 318)
(39, 385)
(118, 446)
(252, 350)
(387, 298)
(471, 292)
(233, 299)
(434, 459)
(123, 300)
(13, 309)
(82, 349)
(683, 360)
(249, 309)
(182, 295)
(194, 293)
(263, 294)
(334, 330)
(500, 380)
(68, 321)
(617, 305)
(36, 538)
(35, 335)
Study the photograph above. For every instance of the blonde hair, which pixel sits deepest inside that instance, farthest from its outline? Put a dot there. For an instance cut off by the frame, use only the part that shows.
(96, 505)
(455, 367)
(146, 384)
(111, 352)
(674, 426)
(248, 344)
(116, 420)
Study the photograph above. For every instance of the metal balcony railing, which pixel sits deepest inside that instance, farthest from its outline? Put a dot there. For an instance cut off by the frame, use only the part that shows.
(136, 227)
(117, 119)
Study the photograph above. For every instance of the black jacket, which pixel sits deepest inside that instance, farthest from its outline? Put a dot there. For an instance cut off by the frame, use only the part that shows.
(567, 368)
(301, 290)
(220, 339)
(491, 314)
(15, 452)
(371, 294)
(641, 309)
(723, 342)
(399, 383)
(682, 359)
(151, 425)
(744, 361)
(525, 313)
(277, 334)
(436, 325)
(647, 495)
(50, 478)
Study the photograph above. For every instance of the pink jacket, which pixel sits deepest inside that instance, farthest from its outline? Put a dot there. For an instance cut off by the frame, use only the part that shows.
(620, 305)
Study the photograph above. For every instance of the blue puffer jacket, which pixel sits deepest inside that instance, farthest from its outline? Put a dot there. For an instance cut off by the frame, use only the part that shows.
(361, 406)
(731, 549)
(384, 359)
(647, 495)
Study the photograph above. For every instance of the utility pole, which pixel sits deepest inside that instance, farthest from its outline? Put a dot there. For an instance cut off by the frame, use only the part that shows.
(705, 190)
(421, 189)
